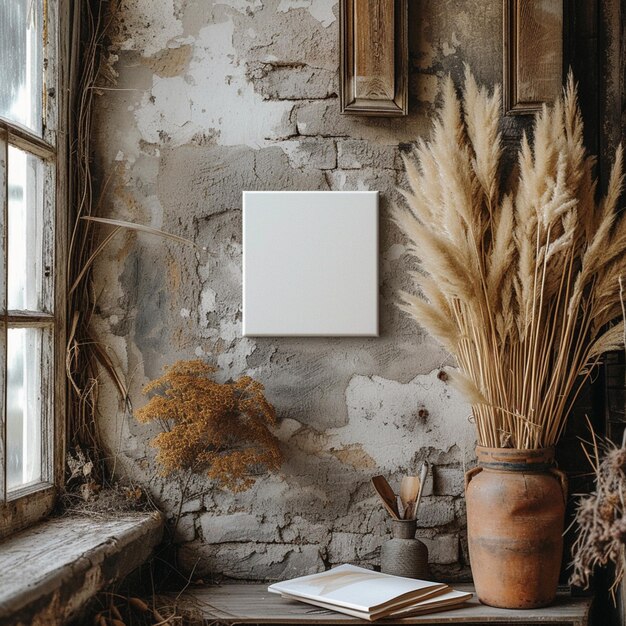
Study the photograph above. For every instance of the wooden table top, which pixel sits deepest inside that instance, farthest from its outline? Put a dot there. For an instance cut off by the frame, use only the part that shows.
(253, 604)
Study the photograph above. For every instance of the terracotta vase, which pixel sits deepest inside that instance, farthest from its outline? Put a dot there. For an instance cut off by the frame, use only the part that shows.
(515, 515)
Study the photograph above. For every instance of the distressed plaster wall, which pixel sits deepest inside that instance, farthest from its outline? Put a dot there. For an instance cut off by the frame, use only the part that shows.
(216, 97)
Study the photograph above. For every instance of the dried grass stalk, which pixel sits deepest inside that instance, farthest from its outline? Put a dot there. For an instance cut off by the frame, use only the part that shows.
(86, 356)
(89, 29)
(517, 282)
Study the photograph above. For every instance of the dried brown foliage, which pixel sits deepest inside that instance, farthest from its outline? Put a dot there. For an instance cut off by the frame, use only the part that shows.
(601, 516)
(218, 429)
(116, 609)
(517, 281)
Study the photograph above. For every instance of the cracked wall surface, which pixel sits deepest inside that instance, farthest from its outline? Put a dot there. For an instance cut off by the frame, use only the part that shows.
(214, 98)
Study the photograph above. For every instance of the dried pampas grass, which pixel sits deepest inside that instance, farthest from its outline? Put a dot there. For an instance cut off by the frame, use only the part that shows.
(517, 282)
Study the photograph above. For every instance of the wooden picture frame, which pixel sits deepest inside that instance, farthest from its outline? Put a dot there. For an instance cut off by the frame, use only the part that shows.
(533, 54)
(374, 57)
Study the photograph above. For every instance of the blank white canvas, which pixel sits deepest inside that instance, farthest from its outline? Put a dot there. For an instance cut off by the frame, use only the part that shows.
(310, 263)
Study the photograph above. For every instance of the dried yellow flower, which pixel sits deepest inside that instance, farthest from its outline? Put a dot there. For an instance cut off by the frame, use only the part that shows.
(208, 427)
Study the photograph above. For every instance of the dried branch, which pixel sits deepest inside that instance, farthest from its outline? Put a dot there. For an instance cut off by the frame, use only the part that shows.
(221, 430)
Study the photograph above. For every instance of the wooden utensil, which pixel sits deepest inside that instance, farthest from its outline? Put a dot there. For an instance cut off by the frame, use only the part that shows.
(409, 488)
(387, 495)
(423, 474)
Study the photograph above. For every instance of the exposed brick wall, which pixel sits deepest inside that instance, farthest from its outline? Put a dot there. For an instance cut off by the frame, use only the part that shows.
(214, 98)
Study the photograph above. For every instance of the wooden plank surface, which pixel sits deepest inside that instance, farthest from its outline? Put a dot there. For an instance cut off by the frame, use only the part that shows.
(533, 42)
(539, 51)
(253, 604)
(49, 571)
(374, 49)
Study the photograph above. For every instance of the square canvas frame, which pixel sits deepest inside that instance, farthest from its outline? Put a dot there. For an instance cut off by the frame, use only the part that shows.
(310, 263)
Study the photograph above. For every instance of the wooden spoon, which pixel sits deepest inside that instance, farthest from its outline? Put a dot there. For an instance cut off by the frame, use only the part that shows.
(409, 488)
(387, 495)
(423, 474)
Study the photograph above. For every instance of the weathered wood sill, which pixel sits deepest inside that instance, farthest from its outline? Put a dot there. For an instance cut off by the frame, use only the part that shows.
(238, 605)
(49, 571)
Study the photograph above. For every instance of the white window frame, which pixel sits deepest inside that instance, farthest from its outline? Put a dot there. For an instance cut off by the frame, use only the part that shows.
(24, 506)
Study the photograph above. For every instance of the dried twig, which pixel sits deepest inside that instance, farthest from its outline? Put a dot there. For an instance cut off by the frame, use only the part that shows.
(601, 516)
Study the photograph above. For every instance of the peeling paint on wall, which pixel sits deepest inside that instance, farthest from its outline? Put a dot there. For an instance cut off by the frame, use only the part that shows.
(144, 27)
(321, 10)
(215, 94)
(215, 98)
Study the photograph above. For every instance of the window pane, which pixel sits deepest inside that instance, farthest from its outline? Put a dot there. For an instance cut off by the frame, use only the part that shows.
(21, 66)
(25, 231)
(24, 406)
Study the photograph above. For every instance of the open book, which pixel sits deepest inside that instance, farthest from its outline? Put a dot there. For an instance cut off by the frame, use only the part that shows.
(370, 595)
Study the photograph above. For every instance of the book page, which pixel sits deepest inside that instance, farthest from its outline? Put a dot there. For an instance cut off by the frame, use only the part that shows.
(355, 587)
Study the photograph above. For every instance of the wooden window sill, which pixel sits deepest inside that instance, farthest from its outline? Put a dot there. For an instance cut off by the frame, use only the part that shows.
(49, 571)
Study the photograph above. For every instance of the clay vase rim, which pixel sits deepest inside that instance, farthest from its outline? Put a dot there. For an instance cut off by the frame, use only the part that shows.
(403, 528)
(515, 459)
